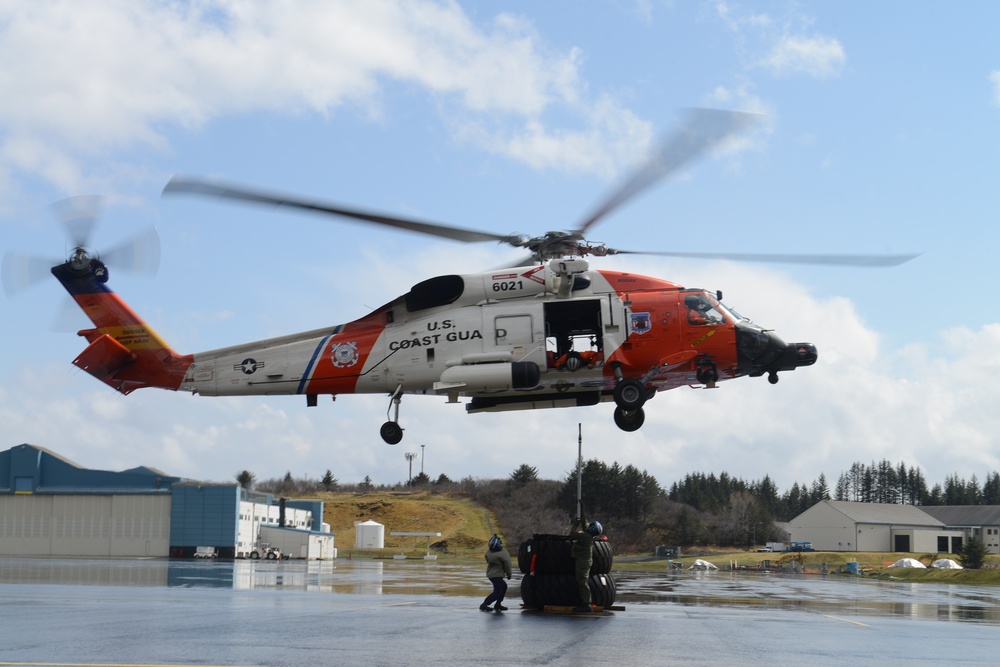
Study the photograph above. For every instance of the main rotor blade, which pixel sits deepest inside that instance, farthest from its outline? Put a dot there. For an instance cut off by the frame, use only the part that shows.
(21, 272)
(702, 129)
(139, 254)
(215, 189)
(79, 216)
(829, 260)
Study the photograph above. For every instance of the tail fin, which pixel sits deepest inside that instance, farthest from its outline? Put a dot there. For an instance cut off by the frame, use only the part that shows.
(124, 352)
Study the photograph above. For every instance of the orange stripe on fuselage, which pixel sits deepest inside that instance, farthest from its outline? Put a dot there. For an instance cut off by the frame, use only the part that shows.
(340, 374)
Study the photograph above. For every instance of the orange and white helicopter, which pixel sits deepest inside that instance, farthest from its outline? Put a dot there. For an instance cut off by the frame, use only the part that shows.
(547, 332)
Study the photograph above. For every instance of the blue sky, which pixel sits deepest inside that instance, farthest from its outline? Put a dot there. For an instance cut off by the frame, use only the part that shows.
(880, 135)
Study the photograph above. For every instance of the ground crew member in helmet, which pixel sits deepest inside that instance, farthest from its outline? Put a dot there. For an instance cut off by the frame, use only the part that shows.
(583, 534)
(498, 567)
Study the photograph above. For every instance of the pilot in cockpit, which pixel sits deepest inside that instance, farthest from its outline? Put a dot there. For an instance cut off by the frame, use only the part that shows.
(701, 310)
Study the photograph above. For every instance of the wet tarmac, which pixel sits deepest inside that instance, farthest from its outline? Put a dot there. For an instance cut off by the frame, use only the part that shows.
(392, 612)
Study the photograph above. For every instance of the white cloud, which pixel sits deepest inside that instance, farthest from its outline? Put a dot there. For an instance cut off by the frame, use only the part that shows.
(819, 57)
(112, 75)
(995, 80)
(787, 51)
(610, 140)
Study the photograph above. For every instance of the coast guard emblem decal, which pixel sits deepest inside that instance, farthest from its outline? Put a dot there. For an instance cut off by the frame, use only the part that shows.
(344, 355)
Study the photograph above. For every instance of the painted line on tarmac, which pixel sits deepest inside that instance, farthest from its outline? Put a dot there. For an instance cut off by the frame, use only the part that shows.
(847, 620)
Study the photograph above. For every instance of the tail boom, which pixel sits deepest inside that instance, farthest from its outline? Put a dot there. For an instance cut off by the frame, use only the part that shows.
(124, 352)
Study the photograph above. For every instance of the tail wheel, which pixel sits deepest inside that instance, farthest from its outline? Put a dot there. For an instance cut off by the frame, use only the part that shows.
(629, 420)
(630, 394)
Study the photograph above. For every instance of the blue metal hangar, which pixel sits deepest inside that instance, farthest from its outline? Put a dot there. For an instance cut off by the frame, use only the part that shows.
(50, 506)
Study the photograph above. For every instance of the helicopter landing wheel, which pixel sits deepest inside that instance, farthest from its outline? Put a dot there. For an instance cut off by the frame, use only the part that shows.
(629, 420)
(391, 433)
(630, 395)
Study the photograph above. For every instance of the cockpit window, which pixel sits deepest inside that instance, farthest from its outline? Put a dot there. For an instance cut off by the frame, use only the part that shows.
(736, 317)
(703, 309)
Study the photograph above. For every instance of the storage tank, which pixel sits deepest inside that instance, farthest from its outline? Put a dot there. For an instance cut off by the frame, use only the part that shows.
(370, 535)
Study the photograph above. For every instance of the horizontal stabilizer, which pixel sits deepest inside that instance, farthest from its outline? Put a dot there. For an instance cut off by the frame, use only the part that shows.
(103, 358)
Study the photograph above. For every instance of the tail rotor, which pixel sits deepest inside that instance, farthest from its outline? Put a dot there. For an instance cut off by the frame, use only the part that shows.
(79, 218)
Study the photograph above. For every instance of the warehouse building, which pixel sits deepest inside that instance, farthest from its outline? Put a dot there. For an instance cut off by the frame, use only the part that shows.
(979, 521)
(50, 506)
(837, 525)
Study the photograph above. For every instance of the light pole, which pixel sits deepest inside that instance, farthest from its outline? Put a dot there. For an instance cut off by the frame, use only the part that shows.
(409, 458)
(421, 459)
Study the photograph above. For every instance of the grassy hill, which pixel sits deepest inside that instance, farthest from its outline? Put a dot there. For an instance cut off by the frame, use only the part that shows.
(464, 525)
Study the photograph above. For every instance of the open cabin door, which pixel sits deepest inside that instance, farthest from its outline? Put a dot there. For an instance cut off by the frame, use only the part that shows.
(574, 327)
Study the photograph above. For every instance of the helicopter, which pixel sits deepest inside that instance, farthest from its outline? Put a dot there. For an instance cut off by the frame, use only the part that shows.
(546, 331)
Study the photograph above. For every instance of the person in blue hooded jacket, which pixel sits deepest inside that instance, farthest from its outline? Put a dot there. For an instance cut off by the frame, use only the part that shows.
(498, 568)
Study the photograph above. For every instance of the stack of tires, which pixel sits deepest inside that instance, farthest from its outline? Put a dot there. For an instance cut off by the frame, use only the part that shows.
(549, 578)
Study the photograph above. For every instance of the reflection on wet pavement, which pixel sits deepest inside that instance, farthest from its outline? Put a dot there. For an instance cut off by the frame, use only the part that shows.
(826, 594)
(831, 594)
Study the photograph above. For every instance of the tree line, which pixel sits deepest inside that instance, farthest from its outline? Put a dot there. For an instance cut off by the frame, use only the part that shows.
(639, 514)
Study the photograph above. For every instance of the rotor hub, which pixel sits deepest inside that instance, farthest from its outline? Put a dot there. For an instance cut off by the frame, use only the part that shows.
(80, 259)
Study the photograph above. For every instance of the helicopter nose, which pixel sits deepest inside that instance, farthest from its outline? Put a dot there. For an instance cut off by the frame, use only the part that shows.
(761, 352)
(795, 355)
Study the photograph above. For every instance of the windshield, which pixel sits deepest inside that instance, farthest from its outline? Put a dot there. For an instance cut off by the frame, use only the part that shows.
(732, 312)
(703, 309)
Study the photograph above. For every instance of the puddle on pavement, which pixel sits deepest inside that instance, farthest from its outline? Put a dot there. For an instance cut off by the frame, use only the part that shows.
(831, 594)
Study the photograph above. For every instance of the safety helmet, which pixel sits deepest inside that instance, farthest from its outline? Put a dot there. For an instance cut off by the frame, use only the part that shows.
(595, 528)
(496, 544)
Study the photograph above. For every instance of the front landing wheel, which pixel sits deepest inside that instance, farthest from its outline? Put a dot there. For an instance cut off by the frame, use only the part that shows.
(391, 433)
(630, 395)
(629, 420)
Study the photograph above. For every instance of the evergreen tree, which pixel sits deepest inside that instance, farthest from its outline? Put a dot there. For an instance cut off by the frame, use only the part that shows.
(329, 482)
(245, 479)
(820, 491)
(973, 554)
(991, 489)
(524, 474)
(287, 484)
(843, 487)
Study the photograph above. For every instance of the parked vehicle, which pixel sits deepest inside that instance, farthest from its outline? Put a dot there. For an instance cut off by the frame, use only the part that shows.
(206, 552)
(266, 551)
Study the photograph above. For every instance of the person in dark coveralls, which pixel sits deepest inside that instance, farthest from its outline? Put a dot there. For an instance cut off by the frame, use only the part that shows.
(583, 555)
(498, 567)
